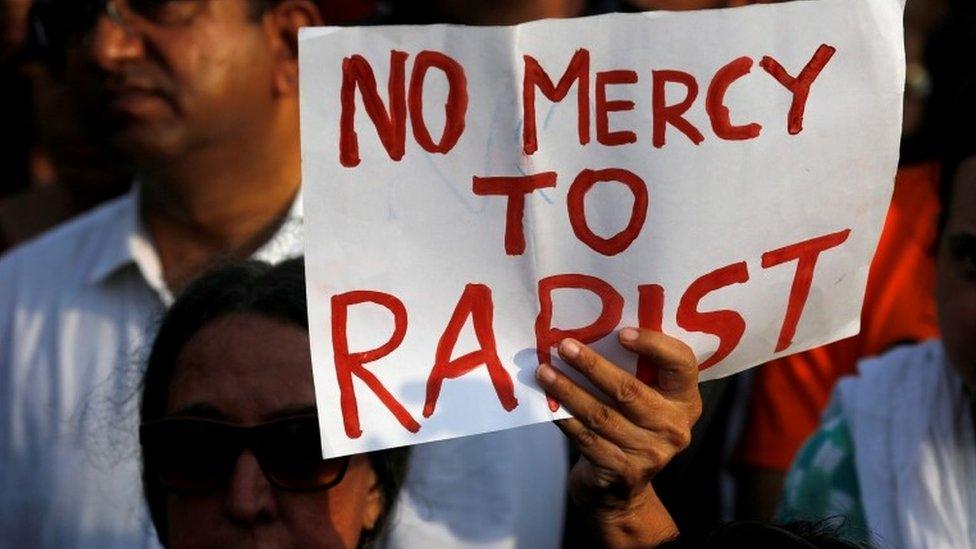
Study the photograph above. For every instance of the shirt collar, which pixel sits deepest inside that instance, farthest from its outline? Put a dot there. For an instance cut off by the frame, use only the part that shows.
(288, 241)
(115, 251)
(297, 210)
(127, 242)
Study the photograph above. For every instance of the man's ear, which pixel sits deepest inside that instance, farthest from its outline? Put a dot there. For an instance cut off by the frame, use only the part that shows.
(282, 21)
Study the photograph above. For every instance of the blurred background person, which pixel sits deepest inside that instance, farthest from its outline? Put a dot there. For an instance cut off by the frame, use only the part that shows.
(53, 168)
(895, 454)
(13, 26)
(197, 99)
(14, 97)
(789, 395)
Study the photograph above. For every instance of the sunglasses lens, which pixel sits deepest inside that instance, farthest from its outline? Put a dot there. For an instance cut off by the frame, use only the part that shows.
(291, 453)
(191, 456)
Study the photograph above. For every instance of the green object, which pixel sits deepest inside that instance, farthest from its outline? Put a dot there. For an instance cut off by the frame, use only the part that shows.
(822, 483)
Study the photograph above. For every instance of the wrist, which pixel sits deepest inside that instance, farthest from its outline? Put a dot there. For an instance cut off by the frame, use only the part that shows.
(642, 521)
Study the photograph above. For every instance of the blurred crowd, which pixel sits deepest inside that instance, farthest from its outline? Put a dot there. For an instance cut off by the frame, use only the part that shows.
(55, 171)
(65, 151)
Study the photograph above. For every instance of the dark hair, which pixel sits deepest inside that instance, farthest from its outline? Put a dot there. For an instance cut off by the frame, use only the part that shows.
(249, 287)
(947, 70)
(960, 144)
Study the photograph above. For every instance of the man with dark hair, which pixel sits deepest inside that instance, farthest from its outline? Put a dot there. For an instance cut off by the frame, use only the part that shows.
(200, 99)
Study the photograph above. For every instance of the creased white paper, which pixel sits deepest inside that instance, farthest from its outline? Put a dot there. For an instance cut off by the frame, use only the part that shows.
(416, 230)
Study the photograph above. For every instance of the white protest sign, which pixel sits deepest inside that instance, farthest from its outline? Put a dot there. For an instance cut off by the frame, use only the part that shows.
(473, 195)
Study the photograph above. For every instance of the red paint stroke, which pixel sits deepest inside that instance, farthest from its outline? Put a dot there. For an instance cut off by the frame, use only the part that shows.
(715, 102)
(515, 188)
(475, 302)
(665, 114)
(603, 108)
(799, 86)
(727, 325)
(351, 364)
(455, 108)
(547, 337)
(390, 125)
(535, 76)
(805, 254)
(575, 203)
(650, 316)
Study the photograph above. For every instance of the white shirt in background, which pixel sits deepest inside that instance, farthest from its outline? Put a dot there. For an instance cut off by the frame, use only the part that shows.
(78, 307)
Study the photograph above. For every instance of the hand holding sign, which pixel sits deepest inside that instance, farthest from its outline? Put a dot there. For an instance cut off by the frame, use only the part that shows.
(626, 441)
(476, 195)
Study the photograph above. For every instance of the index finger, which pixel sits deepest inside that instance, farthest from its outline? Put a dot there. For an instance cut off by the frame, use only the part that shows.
(628, 394)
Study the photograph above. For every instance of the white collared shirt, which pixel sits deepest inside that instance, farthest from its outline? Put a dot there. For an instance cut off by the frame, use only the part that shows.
(78, 308)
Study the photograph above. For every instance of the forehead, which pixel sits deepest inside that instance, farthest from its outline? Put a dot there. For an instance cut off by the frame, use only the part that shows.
(246, 367)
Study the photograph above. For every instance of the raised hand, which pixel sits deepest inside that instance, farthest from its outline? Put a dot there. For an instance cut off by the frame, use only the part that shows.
(628, 436)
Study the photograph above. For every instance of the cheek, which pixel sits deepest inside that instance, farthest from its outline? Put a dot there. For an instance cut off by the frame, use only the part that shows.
(956, 299)
(214, 74)
(217, 70)
(317, 519)
(195, 521)
(333, 518)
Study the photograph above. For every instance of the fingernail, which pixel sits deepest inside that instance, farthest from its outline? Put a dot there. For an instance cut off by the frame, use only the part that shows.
(546, 374)
(569, 348)
(629, 334)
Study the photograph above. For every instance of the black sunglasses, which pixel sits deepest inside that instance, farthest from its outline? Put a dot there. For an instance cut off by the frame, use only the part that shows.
(199, 455)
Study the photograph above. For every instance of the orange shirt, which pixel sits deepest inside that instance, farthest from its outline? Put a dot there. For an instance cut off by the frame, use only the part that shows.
(790, 393)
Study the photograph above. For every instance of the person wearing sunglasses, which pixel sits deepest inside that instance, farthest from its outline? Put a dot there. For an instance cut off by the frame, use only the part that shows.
(230, 439)
(231, 449)
(199, 99)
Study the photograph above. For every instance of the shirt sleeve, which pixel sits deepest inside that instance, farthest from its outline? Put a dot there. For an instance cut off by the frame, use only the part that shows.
(822, 484)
